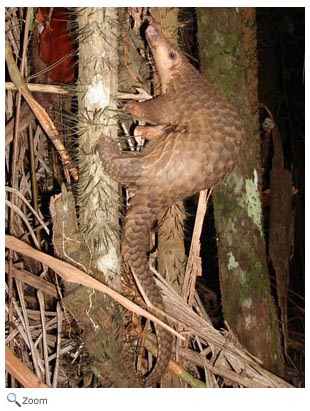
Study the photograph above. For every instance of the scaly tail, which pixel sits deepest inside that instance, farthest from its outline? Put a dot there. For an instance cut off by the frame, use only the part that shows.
(135, 246)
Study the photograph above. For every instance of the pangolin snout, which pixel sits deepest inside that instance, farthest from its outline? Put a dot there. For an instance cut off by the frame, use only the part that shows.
(152, 35)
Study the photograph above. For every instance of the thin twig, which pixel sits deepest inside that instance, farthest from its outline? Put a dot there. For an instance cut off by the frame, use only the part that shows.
(35, 213)
(44, 340)
(41, 88)
(34, 354)
(193, 268)
(25, 220)
(58, 344)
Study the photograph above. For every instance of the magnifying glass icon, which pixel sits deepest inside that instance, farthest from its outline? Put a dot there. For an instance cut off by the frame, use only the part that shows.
(12, 398)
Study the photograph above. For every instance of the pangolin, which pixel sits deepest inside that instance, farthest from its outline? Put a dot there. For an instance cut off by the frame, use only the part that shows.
(196, 138)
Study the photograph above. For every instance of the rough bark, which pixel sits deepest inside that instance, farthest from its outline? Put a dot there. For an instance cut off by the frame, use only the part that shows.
(95, 245)
(227, 39)
(97, 315)
(97, 194)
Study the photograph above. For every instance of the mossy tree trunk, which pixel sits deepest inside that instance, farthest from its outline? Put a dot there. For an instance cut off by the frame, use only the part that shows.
(227, 40)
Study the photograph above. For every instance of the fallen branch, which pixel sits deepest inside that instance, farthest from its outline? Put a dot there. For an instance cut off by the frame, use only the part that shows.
(74, 275)
(22, 373)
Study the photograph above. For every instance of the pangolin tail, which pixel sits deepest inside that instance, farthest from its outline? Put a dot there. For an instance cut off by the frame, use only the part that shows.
(139, 219)
(135, 247)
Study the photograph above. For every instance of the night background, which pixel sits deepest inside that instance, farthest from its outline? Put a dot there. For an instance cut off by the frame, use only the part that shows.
(263, 74)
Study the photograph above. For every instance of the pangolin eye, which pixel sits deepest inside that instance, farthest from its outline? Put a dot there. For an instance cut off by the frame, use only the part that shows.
(172, 54)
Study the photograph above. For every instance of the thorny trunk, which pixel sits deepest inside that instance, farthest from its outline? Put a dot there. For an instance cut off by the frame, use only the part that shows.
(227, 39)
(100, 318)
(97, 193)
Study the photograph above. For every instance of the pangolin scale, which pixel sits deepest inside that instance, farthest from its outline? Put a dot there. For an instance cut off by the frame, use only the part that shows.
(196, 138)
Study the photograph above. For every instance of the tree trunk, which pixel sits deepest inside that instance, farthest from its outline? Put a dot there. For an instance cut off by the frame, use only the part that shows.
(98, 194)
(100, 318)
(227, 39)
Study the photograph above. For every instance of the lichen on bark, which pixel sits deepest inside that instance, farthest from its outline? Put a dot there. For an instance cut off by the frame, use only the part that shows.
(227, 38)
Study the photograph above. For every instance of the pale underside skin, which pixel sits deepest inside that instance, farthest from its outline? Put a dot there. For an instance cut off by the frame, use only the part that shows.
(195, 145)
